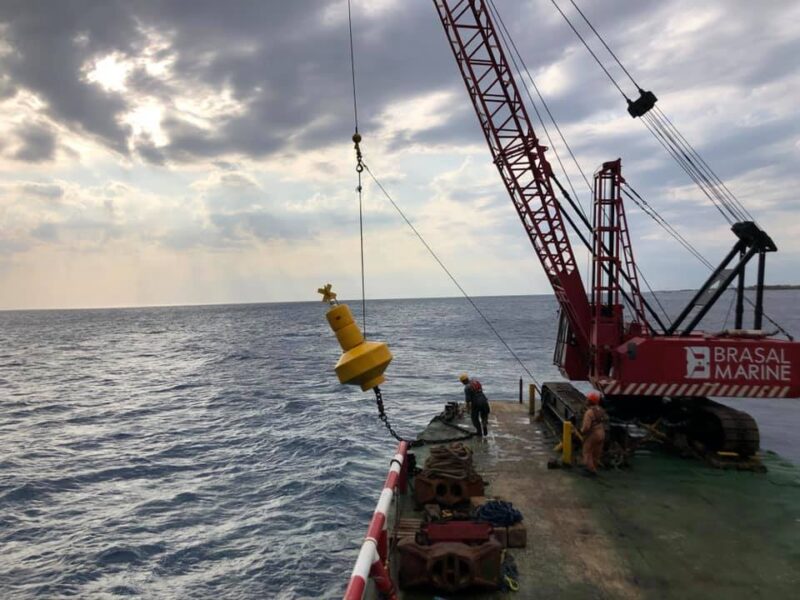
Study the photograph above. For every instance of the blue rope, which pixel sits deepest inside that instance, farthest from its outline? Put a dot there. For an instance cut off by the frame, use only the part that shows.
(498, 512)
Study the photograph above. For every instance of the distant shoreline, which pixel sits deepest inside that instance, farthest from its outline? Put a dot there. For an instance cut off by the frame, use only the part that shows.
(782, 286)
(774, 287)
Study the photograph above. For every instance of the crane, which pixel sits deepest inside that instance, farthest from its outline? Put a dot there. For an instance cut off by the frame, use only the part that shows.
(645, 367)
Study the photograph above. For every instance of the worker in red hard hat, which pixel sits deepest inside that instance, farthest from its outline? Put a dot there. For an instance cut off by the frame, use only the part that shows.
(593, 430)
(477, 404)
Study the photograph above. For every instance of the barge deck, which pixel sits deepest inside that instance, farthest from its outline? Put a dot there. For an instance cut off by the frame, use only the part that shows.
(667, 528)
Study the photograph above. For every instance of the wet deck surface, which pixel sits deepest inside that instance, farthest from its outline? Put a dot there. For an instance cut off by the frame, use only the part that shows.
(668, 528)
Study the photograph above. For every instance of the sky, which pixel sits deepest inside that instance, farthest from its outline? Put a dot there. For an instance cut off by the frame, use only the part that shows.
(167, 152)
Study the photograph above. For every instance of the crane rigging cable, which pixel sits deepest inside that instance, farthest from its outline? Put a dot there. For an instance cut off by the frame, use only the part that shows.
(589, 49)
(662, 129)
(515, 54)
(661, 139)
(703, 162)
(731, 213)
(666, 133)
(650, 211)
(602, 41)
(513, 51)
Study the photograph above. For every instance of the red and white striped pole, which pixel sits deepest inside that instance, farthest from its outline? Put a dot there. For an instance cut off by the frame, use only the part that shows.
(373, 551)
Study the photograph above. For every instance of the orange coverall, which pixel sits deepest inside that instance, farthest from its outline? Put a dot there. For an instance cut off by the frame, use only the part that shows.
(594, 435)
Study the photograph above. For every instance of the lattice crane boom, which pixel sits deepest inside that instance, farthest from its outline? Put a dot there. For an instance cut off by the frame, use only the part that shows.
(517, 153)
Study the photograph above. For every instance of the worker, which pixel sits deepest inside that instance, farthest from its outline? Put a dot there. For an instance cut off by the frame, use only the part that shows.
(477, 404)
(593, 430)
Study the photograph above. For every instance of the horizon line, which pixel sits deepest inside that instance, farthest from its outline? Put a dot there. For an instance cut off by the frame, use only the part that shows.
(350, 300)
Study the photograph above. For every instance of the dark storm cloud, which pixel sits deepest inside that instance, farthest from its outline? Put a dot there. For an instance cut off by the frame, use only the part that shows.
(287, 63)
(149, 151)
(37, 143)
(51, 41)
(281, 58)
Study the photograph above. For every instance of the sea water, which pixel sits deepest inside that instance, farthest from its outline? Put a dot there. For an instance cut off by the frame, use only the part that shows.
(209, 452)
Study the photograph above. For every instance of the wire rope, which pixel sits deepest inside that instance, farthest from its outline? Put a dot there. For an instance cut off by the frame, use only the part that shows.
(602, 41)
(585, 43)
(692, 162)
(359, 188)
(693, 165)
(682, 151)
(653, 129)
(448, 273)
(712, 174)
(505, 33)
(661, 221)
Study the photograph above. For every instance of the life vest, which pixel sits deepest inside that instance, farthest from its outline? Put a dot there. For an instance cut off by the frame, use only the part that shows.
(599, 417)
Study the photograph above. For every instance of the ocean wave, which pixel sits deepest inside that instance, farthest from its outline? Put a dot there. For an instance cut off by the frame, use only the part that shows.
(216, 456)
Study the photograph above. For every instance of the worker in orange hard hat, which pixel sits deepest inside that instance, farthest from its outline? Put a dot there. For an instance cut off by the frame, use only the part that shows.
(593, 430)
(477, 404)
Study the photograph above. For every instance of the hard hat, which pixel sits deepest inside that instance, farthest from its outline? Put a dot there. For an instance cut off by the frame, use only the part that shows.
(463, 378)
(594, 397)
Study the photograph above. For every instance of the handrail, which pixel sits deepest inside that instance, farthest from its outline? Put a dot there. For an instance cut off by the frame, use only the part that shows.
(372, 557)
(371, 561)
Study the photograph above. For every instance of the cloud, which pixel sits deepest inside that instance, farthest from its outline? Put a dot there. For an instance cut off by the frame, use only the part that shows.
(51, 44)
(44, 190)
(149, 151)
(37, 143)
(226, 128)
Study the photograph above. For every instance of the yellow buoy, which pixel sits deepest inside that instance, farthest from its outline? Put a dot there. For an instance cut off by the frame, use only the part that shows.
(362, 362)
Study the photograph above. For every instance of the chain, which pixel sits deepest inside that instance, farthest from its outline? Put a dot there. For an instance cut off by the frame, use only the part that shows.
(420, 441)
(385, 419)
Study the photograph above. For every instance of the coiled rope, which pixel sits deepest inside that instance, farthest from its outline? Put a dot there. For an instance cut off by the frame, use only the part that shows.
(453, 461)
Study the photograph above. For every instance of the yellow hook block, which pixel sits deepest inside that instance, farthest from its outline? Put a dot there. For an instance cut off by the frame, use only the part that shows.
(362, 362)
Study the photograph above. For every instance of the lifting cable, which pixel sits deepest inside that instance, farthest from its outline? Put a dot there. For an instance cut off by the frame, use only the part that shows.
(704, 164)
(512, 50)
(662, 129)
(362, 166)
(589, 48)
(511, 45)
(359, 169)
(448, 273)
(686, 163)
(602, 41)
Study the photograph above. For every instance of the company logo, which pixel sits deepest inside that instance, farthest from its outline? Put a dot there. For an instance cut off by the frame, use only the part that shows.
(698, 362)
(737, 363)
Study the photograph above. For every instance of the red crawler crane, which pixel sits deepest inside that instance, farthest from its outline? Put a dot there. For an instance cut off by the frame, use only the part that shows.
(647, 369)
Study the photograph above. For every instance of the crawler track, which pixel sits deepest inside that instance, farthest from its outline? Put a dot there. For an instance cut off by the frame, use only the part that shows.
(695, 425)
(720, 428)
